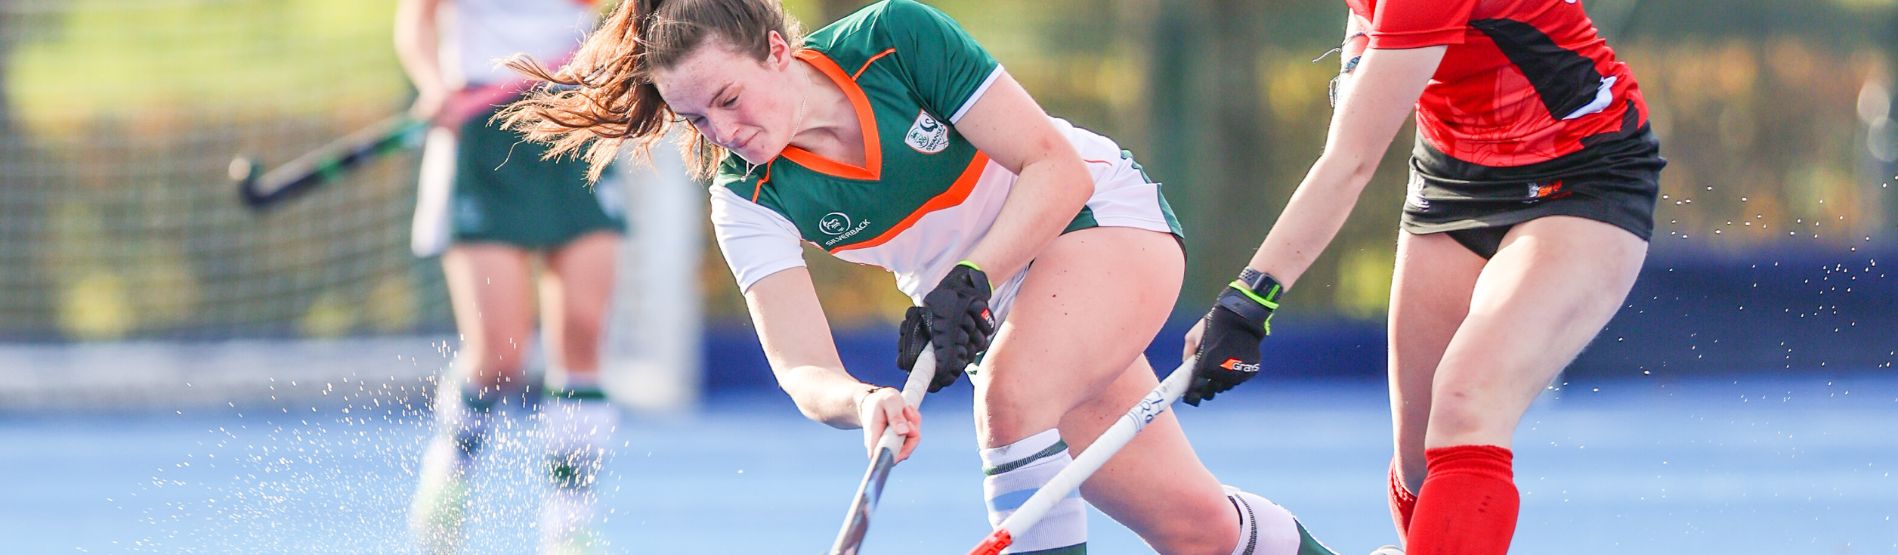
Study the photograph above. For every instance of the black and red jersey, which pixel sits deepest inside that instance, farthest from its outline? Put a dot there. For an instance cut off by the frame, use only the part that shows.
(1522, 82)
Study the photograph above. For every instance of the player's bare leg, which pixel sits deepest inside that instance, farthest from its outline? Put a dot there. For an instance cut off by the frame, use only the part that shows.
(1548, 291)
(1430, 293)
(489, 284)
(577, 419)
(575, 294)
(1094, 330)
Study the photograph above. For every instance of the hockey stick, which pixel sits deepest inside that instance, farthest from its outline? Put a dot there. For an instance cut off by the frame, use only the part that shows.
(261, 189)
(1103, 448)
(857, 520)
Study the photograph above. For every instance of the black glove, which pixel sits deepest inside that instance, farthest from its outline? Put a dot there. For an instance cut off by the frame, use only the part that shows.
(955, 319)
(910, 338)
(1229, 342)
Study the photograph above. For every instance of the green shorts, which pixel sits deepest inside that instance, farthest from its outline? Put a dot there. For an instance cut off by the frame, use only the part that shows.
(505, 193)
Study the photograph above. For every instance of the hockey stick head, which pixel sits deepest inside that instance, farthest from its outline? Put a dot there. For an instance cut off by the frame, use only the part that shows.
(244, 171)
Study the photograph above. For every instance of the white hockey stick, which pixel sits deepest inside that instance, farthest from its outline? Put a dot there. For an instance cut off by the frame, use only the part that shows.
(1103, 448)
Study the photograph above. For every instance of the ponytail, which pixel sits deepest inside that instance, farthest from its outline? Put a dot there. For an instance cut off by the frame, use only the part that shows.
(604, 97)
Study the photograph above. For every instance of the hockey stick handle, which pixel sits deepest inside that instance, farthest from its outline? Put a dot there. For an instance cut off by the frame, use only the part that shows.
(1104, 447)
(857, 520)
(323, 164)
(913, 390)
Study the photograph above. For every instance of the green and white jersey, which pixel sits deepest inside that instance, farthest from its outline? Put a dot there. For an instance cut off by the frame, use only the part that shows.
(478, 34)
(925, 196)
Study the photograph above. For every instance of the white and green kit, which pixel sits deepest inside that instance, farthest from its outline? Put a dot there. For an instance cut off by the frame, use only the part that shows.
(924, 196)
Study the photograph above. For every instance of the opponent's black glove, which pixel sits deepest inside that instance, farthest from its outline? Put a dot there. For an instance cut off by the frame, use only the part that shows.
(955, 319)
(1229, 341)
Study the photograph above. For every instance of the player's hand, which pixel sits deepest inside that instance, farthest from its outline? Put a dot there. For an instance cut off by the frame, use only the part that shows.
(462, 105)
(884, 407)
(428, 104)
(1227, 342)
(954, 319)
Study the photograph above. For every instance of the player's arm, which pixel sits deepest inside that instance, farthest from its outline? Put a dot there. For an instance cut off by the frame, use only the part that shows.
(1051, 186)
(798, 344)
(954, 76)
(417, 43)
(1372, 106)
(1052, 183)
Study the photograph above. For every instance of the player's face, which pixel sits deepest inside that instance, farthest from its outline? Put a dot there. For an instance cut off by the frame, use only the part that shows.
(735, 100)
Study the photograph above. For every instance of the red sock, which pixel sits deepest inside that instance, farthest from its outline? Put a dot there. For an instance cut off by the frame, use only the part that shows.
(1403, 502)
(1467, 505)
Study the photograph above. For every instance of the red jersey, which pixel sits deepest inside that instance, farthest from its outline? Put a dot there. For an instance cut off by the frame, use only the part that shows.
(1523, 81)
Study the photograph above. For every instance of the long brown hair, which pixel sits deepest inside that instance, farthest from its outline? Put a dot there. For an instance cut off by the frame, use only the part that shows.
(605, 94)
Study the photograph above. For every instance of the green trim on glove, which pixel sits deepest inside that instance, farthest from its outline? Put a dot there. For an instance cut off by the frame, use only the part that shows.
(1270, 300)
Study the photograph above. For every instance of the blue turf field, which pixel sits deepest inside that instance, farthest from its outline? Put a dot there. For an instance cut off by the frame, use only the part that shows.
(1748, 465)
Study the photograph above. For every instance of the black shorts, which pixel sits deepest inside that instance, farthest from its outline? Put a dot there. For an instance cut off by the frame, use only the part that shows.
(1614, 179)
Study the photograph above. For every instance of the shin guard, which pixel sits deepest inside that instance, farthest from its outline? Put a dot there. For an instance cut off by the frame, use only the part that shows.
(1403, 502)
(1013, 473)
(1468, 503)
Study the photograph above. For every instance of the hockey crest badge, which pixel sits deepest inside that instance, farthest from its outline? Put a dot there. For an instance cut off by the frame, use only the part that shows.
(927, 135)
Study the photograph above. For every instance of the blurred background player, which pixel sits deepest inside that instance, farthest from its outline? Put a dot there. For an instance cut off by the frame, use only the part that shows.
(892, 138)
(492, 207)
(1532, 193)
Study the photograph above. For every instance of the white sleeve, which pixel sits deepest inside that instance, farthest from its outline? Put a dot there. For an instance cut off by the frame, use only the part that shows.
(757, 242)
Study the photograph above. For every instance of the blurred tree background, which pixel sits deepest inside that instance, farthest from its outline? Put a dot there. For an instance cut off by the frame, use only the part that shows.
(117, 117)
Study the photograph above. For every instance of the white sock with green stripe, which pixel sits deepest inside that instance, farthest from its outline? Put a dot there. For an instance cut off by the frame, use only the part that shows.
(462, 413)
(578, 422)
(1014, 472)
(1265, 528)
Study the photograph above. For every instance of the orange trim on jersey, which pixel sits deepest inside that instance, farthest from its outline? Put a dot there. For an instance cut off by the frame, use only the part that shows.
(958, 192)
(866, 119)
(866, 63)
(761, 181)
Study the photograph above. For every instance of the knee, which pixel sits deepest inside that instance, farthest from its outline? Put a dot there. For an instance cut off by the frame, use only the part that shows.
(578, 336)
(582, 322)
(1005, 414)
(1459, 417)
(1209, 527)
